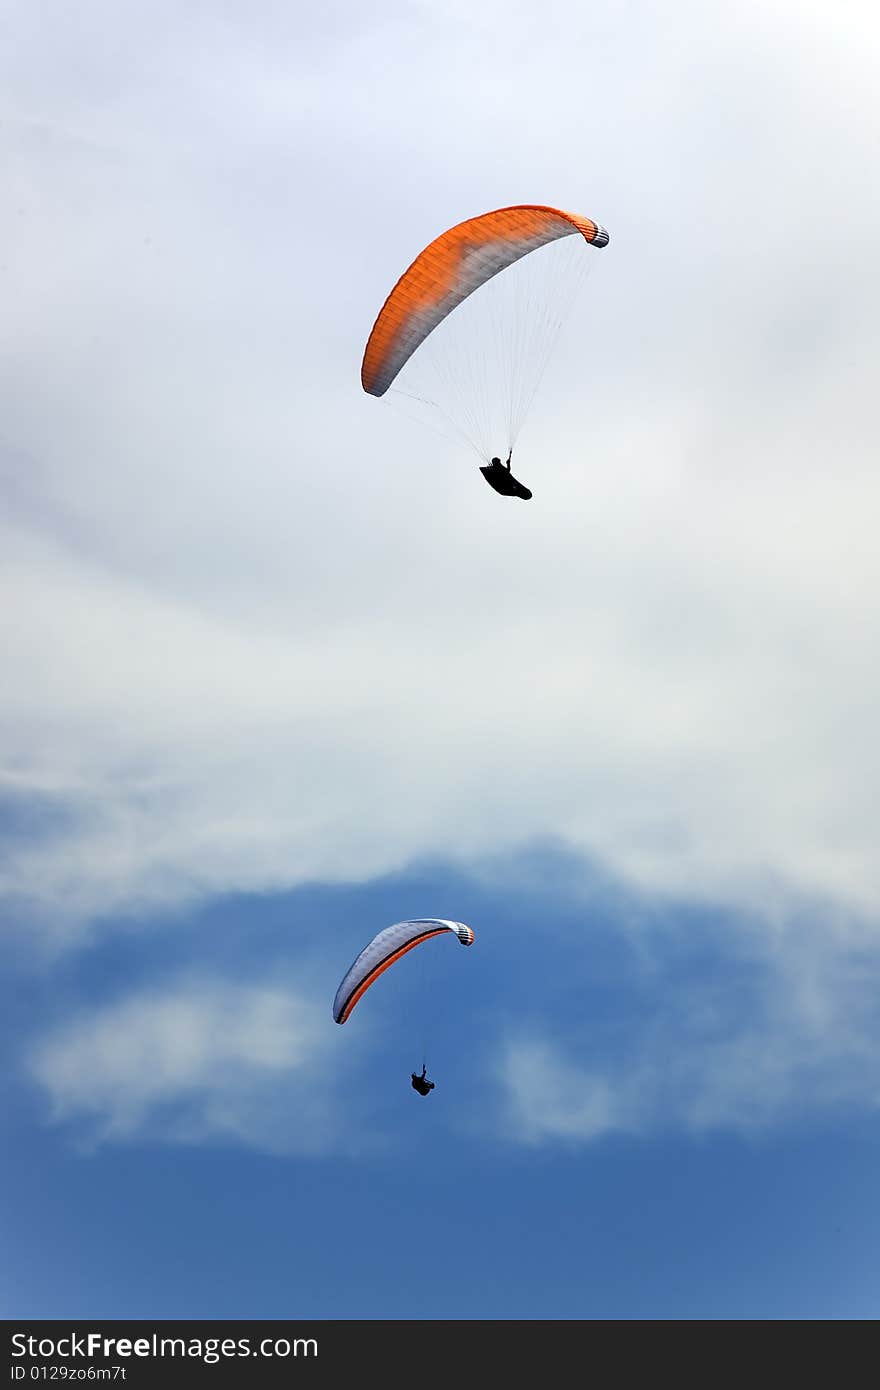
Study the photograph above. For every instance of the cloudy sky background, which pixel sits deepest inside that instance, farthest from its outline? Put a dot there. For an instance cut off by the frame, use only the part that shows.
(279, 669)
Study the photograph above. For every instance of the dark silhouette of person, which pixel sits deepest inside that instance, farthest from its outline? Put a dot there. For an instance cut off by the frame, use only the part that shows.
(499, 477)
(420, 1084)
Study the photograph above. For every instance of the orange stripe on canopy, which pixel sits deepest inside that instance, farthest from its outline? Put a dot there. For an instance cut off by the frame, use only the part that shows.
(374, 974)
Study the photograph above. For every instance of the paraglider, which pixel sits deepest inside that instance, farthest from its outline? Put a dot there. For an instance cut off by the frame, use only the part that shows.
(421, 1084)
(488, 347)
(386, 948)
(499, 476)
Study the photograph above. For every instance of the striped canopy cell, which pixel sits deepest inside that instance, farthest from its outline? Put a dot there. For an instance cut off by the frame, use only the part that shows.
(450, 269)
(386, 948)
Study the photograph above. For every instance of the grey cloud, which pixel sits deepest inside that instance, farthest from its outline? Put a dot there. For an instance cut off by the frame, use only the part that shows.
(259, 630)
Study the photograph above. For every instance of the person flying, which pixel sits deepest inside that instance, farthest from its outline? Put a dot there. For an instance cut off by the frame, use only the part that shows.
(499, 477)
(420, 1084)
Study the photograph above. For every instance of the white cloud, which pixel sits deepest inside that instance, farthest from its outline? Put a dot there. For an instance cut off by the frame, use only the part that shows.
(793, 1039)
(258, 631)
(551, 1099)
(198, 1062)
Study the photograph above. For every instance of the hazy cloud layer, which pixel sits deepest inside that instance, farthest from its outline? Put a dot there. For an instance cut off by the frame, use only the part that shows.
(195, 1062)
(698, 1036)
(258, 629)
(792, 1042)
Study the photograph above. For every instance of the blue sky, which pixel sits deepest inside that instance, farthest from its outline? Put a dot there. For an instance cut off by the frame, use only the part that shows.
(279, 670)
(453, 1207)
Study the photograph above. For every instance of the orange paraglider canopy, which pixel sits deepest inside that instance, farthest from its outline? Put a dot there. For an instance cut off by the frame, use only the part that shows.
(450, 269)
